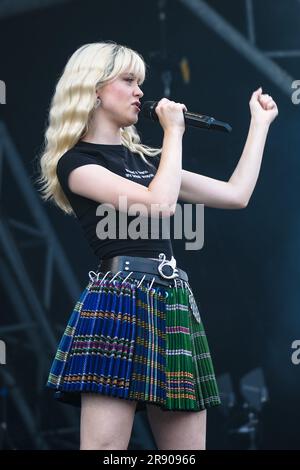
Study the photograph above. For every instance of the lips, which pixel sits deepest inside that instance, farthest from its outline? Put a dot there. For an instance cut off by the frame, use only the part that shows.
(137, 104)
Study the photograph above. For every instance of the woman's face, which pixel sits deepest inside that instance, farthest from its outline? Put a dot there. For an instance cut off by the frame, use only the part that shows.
(118, 98)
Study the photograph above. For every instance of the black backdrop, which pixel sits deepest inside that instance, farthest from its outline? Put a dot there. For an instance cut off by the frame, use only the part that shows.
(247, 275)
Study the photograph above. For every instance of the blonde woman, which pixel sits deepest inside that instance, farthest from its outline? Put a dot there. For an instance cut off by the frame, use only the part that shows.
(135, 338)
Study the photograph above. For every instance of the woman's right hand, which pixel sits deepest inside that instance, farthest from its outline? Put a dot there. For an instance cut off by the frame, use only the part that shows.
(170, 114)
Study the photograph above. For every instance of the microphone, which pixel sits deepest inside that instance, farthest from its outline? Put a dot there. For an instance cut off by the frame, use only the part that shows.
(191, 119)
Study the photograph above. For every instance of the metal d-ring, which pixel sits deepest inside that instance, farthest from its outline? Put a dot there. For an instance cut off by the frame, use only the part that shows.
(170, 263)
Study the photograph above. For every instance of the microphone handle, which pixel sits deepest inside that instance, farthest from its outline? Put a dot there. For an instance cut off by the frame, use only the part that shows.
(196, 120)
(205, 122)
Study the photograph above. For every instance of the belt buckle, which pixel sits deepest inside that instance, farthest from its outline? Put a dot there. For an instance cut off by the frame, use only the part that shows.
(169, 264)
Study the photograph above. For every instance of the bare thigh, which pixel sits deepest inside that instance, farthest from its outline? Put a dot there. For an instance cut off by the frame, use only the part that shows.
(178, 430)
(105, 422)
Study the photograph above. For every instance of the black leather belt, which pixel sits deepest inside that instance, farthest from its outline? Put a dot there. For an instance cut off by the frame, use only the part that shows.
(160, 270)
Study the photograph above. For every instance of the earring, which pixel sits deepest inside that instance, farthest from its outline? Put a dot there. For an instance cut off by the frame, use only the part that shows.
(98, 102)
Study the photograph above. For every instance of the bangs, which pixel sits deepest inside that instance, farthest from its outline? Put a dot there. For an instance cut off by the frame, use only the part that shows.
(130, 61)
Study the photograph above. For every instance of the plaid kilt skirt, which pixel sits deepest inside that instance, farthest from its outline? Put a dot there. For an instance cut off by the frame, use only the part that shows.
(126, 340)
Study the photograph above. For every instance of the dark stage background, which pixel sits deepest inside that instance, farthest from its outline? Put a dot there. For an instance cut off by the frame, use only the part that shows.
(247, 276)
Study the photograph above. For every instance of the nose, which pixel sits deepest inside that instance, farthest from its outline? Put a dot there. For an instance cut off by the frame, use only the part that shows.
(139, 92)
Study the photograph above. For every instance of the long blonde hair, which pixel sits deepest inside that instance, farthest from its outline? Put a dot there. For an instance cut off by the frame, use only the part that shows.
(72, 107)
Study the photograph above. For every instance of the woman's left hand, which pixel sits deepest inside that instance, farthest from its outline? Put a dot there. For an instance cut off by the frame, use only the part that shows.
(263, 108)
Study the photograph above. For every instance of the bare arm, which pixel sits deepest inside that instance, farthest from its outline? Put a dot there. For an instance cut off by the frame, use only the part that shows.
(245, 175)
(165, 185)
(235, 193)
(200, 189)
(103, 186)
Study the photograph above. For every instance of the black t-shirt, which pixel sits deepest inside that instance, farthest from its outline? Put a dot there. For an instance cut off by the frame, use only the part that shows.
(120, 160)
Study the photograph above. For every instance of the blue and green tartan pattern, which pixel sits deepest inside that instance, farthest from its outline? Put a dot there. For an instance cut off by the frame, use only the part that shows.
(136, 343)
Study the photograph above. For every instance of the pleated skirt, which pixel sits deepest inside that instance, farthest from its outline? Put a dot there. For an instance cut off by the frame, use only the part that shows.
(128, 340)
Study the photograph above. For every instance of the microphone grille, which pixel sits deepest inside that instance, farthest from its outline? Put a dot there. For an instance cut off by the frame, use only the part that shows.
(148, 110)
